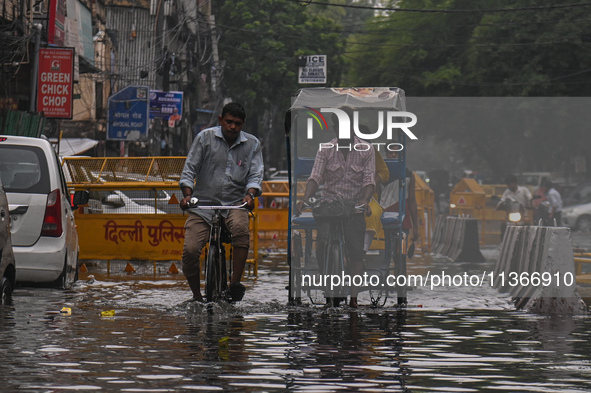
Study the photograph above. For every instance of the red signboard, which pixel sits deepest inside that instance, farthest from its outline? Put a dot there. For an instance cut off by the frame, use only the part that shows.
(56, 29)
(55, 82)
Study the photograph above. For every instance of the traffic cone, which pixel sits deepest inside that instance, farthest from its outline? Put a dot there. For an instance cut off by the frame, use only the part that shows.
(83, 268)
(173, 269)
(129, 268)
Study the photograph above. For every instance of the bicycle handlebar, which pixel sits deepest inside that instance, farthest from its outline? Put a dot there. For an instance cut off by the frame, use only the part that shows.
(312, 202)
(193, 204)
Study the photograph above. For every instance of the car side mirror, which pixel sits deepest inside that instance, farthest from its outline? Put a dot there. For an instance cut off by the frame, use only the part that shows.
(80, 198)
(114, 200)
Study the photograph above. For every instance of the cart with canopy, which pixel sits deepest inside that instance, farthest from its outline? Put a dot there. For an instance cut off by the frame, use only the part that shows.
(375, 116)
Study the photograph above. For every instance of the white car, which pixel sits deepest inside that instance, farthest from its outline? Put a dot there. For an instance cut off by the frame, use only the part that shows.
(44, 237)
(116, 202)
(160, 198)
(578, 216)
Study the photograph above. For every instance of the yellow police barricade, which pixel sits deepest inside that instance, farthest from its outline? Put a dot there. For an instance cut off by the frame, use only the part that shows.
(493, 218)
(425, 198)
(467, 198)
(133, 213)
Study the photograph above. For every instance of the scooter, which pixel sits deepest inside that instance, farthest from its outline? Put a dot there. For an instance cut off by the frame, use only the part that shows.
(515, 213)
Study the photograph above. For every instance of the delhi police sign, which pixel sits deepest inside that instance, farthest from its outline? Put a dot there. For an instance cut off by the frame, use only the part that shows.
(129, 114)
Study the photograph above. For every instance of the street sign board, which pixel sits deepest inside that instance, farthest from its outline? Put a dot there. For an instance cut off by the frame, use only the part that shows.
(166, 104)
(314, 71)
(56, 29)
(128, 114)
(55, 82)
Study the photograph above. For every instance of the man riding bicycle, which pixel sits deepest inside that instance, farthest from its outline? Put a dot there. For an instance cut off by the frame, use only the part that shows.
(224, 166)
(348, 176)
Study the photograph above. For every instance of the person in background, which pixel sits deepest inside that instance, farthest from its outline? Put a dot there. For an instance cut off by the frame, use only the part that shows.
(554, 203)
(373, 223)
(540, 208)
(224, 167)
(390, 196)
(519, 193)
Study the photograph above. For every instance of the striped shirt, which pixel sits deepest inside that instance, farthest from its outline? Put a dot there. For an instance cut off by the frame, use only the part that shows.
(344, 179)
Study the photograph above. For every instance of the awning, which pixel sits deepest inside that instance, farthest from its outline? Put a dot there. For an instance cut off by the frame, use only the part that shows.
(86, 67)
(74, 146)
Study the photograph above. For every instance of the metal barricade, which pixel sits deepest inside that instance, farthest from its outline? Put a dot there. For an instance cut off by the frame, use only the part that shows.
(133, 212)
(425, 198)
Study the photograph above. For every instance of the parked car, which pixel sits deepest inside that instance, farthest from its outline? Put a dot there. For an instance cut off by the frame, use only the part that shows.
(577, 194)
(578, 216)
(116, 202)
(43, 231)
(149, 197)
(7, 267)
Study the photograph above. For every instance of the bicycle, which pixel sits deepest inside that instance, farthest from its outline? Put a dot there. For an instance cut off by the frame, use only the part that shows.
(335, 254)
(216, 273)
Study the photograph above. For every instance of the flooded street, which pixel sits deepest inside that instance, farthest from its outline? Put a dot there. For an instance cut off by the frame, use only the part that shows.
(448, 340)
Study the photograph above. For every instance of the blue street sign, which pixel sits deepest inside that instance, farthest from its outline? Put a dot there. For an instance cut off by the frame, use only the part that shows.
(129, 114)
(165, 104)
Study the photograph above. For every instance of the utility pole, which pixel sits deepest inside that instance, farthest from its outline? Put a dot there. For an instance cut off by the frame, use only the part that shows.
(35, 72)
(215, 71)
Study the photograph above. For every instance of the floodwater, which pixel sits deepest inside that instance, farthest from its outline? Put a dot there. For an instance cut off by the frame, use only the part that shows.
(448, 340)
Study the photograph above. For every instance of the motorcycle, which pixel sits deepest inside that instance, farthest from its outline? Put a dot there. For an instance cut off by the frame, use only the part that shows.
(515, 213)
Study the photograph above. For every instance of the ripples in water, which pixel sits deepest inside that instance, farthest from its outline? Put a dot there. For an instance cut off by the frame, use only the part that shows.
(458, 340)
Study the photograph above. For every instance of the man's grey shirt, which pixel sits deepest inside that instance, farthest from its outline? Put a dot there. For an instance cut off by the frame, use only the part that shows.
(222, 174)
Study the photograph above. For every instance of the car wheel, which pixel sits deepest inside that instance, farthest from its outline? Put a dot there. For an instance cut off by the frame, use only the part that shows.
(584, 224)
(62, 281)
(5, 291)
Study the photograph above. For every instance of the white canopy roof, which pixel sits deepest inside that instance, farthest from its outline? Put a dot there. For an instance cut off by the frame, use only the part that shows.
(353, 97)
(74, 146)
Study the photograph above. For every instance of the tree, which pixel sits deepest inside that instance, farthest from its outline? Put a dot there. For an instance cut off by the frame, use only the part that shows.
(259, 42)
(486, 49)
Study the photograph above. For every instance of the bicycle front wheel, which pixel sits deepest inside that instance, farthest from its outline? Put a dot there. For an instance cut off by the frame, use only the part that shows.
(212, 274)
(335, 266)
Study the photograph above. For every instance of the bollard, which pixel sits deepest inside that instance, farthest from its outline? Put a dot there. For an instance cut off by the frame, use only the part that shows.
(438, 232)
(458, 239)
(541, 262)
(449, 233)
(467, 248)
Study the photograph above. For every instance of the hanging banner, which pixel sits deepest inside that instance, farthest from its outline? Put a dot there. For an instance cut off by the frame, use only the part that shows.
(166, 104)
(56, 27)
(55, 82)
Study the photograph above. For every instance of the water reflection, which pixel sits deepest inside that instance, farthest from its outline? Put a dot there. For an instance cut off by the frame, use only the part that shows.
(350, 350)
(464, 339)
